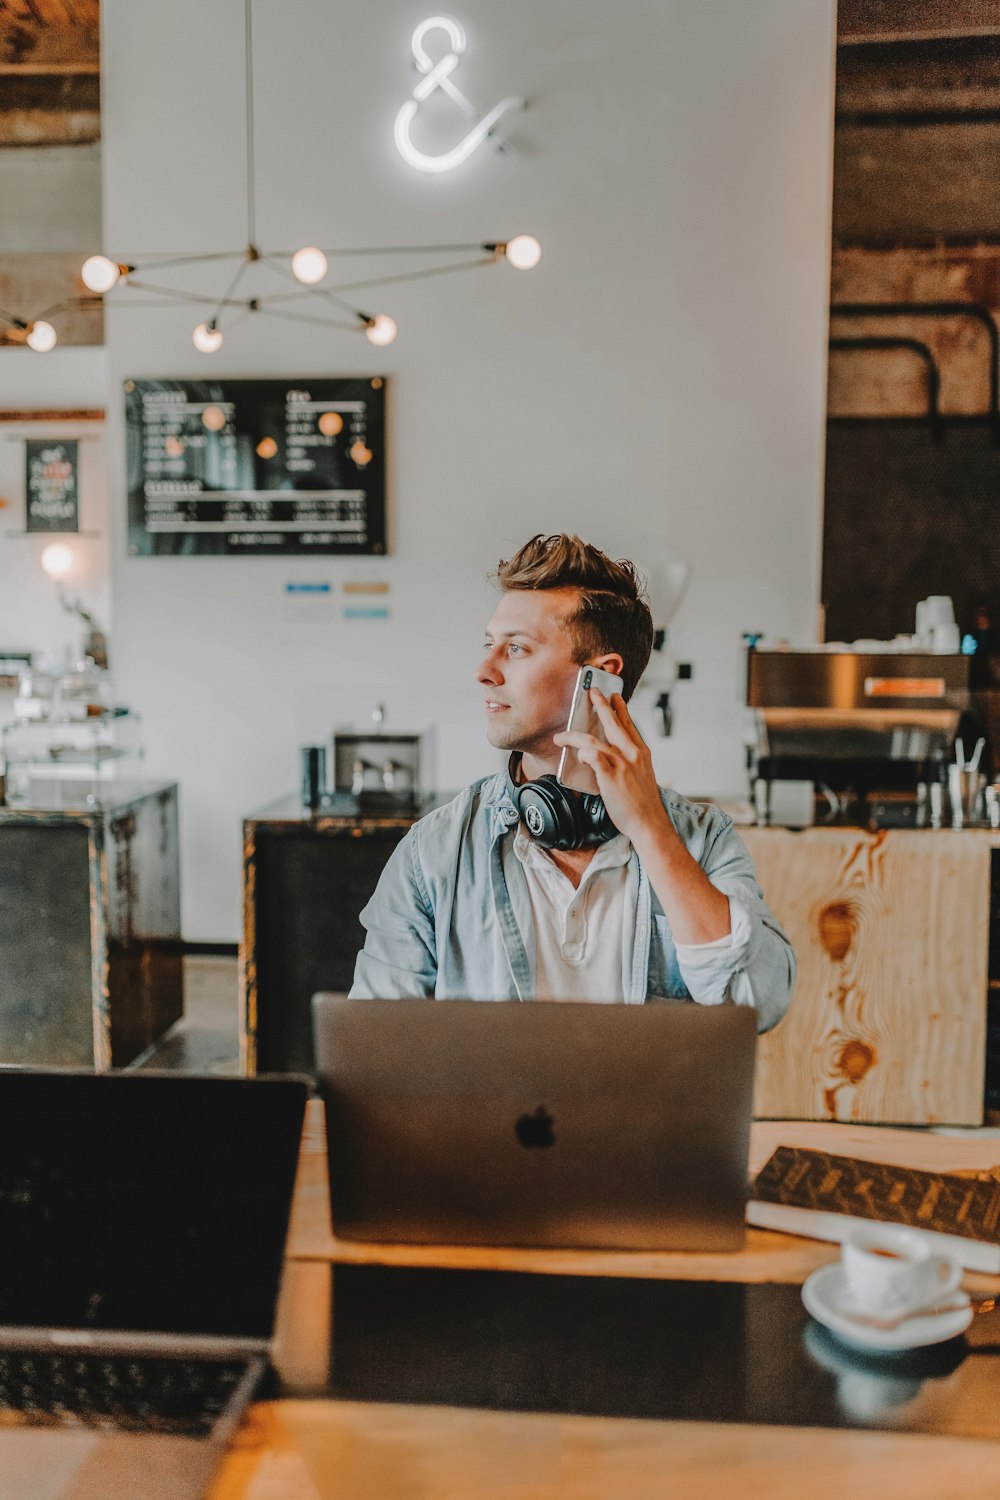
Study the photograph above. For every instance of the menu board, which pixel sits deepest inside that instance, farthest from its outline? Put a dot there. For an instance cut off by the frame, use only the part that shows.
(256, 467)
(51, 488)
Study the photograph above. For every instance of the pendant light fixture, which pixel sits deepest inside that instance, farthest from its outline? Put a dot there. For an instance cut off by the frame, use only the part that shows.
(297, 287)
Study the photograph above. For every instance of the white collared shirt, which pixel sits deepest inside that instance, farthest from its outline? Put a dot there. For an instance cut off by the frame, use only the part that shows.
(584, 935)
(580, 939)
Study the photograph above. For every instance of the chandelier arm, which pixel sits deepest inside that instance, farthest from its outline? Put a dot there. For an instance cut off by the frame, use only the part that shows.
(401, 249)
(11, 319)
(134, 305)
(466, 265)
(176, 293)
(227, 295)
(195, 258)
(314, 291)
(300, 318)
(380, 281)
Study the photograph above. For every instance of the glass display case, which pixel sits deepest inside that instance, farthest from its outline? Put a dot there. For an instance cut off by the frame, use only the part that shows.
(81, 755)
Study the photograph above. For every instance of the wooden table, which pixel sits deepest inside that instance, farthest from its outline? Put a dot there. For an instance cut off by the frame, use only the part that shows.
(359, 1450)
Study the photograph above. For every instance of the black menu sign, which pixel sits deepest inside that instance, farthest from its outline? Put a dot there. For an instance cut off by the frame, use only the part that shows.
(256, 467)
(51, 485)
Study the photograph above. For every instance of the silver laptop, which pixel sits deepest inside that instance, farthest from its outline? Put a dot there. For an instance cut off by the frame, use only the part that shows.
(142, 1231)
(553, 1124)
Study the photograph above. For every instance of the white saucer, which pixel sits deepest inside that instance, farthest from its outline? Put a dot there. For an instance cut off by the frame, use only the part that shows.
(825, 1296)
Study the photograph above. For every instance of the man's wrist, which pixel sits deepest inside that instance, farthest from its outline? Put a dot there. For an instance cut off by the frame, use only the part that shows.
(657, 835)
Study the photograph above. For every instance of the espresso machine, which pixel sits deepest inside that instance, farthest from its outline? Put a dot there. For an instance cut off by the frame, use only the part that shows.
(872, 732)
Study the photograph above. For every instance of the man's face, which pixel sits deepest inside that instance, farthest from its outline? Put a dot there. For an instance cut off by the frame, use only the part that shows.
(529, 671)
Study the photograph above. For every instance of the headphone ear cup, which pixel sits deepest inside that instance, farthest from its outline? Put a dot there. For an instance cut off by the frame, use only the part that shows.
(598, 824)
(551, 814)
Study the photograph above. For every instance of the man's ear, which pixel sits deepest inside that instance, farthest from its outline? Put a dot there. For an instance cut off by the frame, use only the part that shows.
(612, 662)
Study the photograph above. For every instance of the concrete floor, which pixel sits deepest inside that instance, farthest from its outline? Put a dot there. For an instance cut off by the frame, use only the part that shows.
(206, 1039)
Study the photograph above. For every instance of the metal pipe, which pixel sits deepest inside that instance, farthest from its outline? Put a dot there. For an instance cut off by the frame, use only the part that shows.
(866, 341)
(975, 310)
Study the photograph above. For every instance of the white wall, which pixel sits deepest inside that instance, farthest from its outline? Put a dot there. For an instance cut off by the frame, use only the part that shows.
(31, 618)
(656, 384)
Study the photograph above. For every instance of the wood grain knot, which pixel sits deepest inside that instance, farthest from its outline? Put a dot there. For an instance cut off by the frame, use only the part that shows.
(855, 1059)
(837, 927)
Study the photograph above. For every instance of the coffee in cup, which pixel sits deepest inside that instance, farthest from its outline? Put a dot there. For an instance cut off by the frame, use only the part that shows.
(891, 1271)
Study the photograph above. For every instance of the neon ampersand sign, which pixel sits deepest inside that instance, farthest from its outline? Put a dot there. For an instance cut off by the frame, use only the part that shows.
(437, 75)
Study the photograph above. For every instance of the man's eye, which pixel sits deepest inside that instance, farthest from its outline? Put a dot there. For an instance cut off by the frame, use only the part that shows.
(514, 647)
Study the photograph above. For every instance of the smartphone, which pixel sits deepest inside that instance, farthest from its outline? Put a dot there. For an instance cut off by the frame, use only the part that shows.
(583, 718)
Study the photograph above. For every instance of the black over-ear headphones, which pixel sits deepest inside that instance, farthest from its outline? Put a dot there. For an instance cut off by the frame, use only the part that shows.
(558, 818)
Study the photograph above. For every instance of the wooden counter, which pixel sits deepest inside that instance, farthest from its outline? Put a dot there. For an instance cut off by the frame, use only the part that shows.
(891, 932)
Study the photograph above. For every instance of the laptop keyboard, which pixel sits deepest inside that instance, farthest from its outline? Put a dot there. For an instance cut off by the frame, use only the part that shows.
(115, 1392)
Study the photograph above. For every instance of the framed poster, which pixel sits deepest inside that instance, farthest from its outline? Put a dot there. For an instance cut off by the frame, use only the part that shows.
(51, 485)
(256, 467)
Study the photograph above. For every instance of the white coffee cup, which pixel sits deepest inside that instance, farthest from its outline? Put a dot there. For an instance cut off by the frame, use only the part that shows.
(938, 610)
(945, 637)
(891, 1271)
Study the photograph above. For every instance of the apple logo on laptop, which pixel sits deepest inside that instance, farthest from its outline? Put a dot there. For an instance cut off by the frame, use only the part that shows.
(535, 1130)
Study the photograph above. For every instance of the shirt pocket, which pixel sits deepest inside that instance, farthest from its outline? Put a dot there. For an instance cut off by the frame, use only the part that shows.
(665, 980)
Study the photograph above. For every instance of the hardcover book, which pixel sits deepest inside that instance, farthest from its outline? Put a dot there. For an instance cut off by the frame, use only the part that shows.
(821, 1196)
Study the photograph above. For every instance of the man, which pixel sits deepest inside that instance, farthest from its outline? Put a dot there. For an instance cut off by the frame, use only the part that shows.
(470, 906)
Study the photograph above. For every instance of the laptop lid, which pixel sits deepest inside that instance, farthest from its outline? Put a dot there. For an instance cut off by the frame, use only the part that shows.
(560, 1124)
(145, 1202)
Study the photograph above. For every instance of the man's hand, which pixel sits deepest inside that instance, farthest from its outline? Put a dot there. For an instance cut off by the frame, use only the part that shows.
(697, 911)
(624, 770)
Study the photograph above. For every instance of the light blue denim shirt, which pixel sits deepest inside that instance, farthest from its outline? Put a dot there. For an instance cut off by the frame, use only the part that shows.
(444, 918)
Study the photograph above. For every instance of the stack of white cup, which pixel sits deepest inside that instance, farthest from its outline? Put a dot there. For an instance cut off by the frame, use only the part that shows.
(936, 629)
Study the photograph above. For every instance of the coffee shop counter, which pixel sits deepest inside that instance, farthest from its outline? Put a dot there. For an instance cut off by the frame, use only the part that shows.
(306, 877)
(90, 950)
(889, 1022)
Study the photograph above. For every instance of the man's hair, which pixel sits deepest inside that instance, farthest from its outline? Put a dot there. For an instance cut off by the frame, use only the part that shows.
(612, 612)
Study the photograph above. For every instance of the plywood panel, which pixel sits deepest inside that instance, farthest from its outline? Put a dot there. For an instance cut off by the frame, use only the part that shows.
(888, 1020)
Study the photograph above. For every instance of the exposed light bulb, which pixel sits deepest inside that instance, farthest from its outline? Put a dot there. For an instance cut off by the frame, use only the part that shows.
(207, 338)
(309, 265)
(41, 336)
(57, 559)
(213, 418)
(99, 274)
(381, 329)
(523, 251)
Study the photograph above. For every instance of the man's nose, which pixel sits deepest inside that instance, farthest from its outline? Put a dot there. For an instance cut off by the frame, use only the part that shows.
(489, 668)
